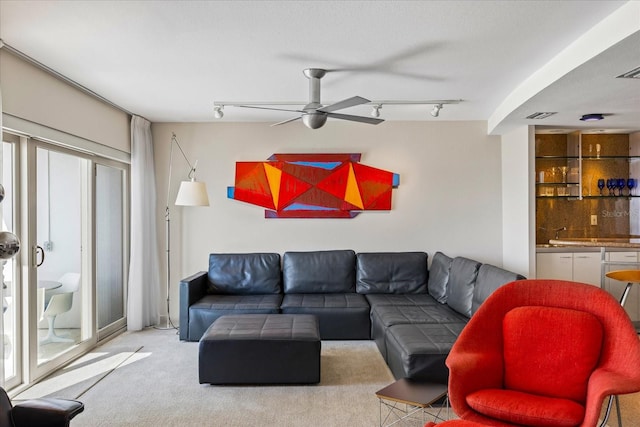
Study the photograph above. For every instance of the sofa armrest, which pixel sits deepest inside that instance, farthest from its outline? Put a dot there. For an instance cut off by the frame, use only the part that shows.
(45, 412)
(192, 289)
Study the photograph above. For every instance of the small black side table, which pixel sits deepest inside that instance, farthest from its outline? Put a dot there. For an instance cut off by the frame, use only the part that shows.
(404, 399)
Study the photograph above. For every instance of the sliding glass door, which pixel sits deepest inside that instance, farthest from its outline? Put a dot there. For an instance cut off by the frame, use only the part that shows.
(110, 244)
(61, 265)
(66, 289)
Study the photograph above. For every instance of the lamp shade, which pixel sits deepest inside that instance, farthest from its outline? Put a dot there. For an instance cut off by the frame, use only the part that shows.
(192, 193)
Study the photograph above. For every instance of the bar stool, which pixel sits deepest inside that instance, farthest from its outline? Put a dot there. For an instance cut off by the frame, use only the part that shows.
(629, 276)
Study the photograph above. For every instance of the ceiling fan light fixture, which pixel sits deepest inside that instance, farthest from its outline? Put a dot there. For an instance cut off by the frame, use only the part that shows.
(592, 117)
(375, 111)
(217, 111)
(435, 112)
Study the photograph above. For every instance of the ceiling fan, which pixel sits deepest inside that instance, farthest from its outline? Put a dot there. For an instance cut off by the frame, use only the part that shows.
(314, 114)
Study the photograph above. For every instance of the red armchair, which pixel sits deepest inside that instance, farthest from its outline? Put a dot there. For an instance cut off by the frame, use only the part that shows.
(543, 353)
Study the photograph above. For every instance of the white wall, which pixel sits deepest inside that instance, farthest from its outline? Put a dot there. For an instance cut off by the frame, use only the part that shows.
(449, 198)
(518, 200)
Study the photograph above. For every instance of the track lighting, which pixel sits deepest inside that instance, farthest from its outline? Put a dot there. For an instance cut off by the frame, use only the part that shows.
(217, 111)
(436, 110)
(376, 106)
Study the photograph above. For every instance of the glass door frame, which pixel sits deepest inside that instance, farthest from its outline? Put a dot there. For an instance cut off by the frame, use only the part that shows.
(30, 318)
(16, 296)
(121, 323)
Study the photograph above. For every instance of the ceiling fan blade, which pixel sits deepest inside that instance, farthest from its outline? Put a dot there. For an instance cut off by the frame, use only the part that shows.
(269, 108)
(345, 103)
(361, 119)
(287, 121)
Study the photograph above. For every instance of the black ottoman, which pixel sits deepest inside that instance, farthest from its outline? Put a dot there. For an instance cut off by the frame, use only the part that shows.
(261, 349)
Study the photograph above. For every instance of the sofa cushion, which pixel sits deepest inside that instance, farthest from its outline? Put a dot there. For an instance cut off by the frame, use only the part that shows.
(391, 273)
(244, 274)
(319, 272)
(462, 280)
(342, 316)
(389, 315)
(489, 279)
(419, 351)
(204, 312)
(439, 277)
(400, 299)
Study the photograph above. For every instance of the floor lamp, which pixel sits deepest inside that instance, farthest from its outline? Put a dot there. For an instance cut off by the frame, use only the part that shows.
(190, 193)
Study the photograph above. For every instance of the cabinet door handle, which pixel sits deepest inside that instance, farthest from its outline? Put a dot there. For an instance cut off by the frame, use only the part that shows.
(565, 257)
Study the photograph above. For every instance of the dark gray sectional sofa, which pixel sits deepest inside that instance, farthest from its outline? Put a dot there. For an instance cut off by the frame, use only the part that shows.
(414, 314)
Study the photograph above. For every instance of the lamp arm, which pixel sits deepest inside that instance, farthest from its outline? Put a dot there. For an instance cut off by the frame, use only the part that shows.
(192, 167)
(167, 216)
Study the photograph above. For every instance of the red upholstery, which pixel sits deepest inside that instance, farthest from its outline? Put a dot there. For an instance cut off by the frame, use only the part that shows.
(455, 423)
(529, 331)
(526, 408)
(550, 363)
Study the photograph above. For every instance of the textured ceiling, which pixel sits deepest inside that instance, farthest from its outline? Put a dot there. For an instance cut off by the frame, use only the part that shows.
(170, 61)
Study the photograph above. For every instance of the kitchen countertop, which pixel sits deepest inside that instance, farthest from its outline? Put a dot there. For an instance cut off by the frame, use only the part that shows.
(599, 242)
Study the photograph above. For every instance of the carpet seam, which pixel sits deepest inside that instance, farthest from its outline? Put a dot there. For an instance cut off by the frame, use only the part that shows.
(108, 373)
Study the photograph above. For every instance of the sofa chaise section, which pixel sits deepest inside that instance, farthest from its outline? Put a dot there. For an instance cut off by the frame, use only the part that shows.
(390, 279)
(235, 284)
(417, 339)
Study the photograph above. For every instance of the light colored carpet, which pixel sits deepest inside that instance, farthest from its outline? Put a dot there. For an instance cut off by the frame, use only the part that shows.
(72, 381)
(158, 386)
(630, 411)
(150, 378)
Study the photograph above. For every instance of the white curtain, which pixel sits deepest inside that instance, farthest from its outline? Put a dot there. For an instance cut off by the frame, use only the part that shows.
(144, 277)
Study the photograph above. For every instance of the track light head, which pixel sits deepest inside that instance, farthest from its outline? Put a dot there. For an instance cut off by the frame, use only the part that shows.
(436, 110)
(217, 111)
(375, 112)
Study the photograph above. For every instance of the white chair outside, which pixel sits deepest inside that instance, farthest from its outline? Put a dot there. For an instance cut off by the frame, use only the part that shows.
(58, 301)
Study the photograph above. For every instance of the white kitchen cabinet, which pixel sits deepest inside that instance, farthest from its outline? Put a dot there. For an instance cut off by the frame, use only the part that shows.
(554, 265)
(587, 267)
(576, 266)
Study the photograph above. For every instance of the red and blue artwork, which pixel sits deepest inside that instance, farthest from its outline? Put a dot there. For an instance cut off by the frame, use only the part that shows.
(313, 186)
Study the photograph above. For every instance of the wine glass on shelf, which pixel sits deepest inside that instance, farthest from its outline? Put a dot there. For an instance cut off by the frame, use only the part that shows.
(600, 185)
(563, 170)
(621, 184)
(609, 185)
(631, 184)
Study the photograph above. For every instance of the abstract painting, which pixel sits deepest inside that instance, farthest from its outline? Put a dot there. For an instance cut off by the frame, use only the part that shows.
(313, 185)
